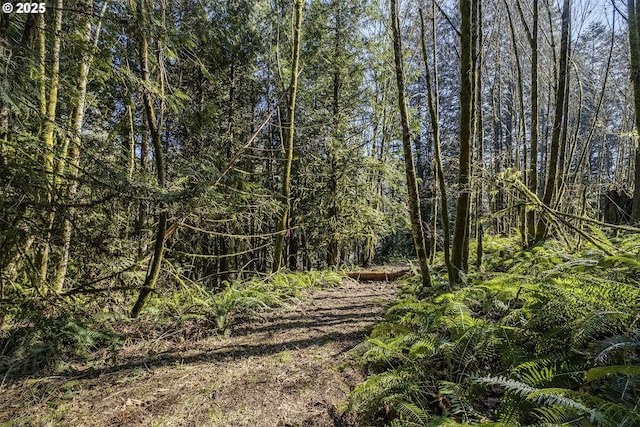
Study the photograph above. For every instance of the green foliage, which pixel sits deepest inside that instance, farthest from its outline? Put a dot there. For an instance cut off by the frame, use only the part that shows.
(52, 333)
(237, 300)
(44, 334)
(547, 339)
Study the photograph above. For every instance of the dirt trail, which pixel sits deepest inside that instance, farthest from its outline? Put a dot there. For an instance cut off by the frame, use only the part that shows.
(286, 370)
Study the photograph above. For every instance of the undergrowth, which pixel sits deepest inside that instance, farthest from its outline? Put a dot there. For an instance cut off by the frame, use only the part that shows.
(52, 333)
(544, 338)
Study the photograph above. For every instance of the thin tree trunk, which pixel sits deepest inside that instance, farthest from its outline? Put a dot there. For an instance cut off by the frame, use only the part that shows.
(5, 108)
(286, 176)
(523, 126)
(74, 138)
(479, 134)
(533, 156)
(336, 135)
(586, 147)
(633, 9)
(155, 127)
(551, 184)
(433, 103)
(460, 250)
(49, 129)
(412, 182)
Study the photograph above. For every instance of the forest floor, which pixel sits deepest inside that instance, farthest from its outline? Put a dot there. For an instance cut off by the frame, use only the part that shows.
(288, 369)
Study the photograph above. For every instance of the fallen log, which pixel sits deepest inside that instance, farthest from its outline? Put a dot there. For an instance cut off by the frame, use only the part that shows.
(377, 276)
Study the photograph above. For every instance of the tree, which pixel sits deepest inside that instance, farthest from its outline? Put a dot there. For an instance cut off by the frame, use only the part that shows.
(633, 11)
(559, 122)
(433, 104)
(48, 107)
(155, 128)
(467, 107)
(286, 175)
(532, 38)
(412, 183)
(72, 140)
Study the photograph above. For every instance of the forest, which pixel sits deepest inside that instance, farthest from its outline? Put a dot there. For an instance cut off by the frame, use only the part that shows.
(320, 213)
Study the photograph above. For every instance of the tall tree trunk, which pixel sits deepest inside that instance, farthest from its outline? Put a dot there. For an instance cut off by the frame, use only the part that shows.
(633, 9)
(336, 136)
(50, 106)
(412, 182)
(479, 134)
(433, 103)
(523, 126)
(73, 138)
(286, 175)
(5, 108)
(532, 37)
(551, 184)
(460, 249)
(155, 128)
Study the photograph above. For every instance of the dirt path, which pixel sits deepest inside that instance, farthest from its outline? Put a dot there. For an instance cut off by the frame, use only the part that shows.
(287, 370)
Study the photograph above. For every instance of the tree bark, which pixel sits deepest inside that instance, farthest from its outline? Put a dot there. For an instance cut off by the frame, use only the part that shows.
(286, 175)
(479, 134)
(552, 178)
(49, 107)
(155, 128)
(73, 138)
(412, 182)
(460, 249)
(433, 101)
(533, 156)
(633, 9)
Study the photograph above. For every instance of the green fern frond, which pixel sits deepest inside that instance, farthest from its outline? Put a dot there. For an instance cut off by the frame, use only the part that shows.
(609, 347)
(536, 373)
(626, 261)
(379, 388)
(412, 414)
(517, 387)
(559, 397)
(598, 324)
(458, 403)
(600, 372)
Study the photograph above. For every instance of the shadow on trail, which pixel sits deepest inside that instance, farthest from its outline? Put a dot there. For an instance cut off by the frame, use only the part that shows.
(345, 340)
(302, 322)
(321, 321)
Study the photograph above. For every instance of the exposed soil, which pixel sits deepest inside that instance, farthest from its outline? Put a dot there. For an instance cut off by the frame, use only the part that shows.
(286, 370)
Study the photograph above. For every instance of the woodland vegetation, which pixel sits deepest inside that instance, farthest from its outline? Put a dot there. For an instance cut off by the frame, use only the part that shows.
(179, 160)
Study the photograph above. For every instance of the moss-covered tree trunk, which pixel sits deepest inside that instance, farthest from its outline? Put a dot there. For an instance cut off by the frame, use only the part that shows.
(479, 129)
(155, 130)
(433, 101)
(633, 9)
(533, 172)
(49, 107)
(336, 134)
(412, 182)
(286, 175)
(460, 248)
(552, 178)
(72, 139)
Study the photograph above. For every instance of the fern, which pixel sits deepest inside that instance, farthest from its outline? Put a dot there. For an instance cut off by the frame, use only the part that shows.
(553, 337)
(614, 346)
(599, 324)
(553, 397)
(411, 414)
(600, 372)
